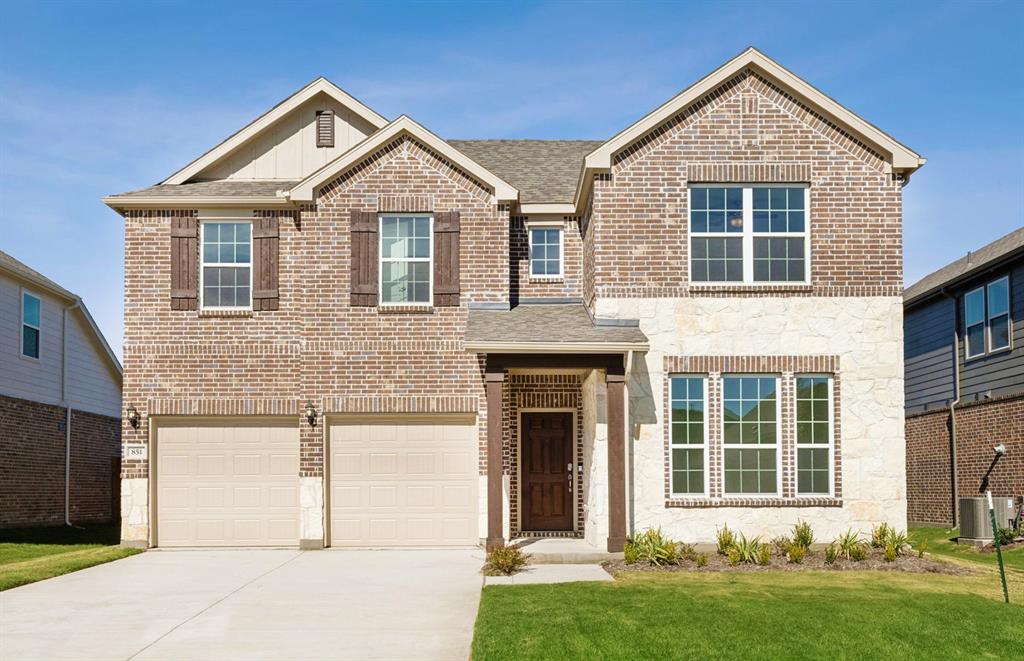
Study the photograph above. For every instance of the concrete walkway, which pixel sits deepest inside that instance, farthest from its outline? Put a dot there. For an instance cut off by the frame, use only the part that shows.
(250, 604)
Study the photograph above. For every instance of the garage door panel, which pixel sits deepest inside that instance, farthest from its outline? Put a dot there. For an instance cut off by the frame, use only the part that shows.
(404, 484)
(227, 484)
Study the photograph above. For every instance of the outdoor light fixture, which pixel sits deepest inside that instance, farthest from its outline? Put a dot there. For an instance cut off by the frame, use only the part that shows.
(310, 414)
(133, 416)
(1000, 450)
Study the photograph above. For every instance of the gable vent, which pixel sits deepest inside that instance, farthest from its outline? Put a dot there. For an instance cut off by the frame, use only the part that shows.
(324, 128)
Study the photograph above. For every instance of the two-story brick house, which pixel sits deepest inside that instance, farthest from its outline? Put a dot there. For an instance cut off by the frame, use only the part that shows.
(343, 330)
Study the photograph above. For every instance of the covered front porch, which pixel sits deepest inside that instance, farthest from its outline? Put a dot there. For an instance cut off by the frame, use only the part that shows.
(556, 449)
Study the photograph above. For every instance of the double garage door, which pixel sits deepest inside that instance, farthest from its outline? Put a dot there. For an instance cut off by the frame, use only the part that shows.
(390, 483)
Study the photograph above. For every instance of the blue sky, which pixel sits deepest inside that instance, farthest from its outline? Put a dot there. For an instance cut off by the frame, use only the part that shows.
(102, 97)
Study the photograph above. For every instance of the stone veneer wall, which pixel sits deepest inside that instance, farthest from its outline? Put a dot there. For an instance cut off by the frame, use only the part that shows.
(864, 334)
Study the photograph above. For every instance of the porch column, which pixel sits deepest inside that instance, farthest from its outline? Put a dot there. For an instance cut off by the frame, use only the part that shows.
(495, 497)
(616, 461)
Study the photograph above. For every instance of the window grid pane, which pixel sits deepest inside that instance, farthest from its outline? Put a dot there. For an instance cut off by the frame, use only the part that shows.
(716, 260)
(687, 404)
(716, 209)
(813, 434)
(545, 251)
(227, 259)
(749, 409)
(405, 259)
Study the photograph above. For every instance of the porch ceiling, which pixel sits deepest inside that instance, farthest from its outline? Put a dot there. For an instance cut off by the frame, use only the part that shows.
(550, 328)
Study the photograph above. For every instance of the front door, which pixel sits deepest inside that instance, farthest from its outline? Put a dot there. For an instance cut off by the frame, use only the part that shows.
(546, 471)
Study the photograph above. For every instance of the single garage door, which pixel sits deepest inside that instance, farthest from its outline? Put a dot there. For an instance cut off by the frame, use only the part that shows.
(404, 483)
(227, 483)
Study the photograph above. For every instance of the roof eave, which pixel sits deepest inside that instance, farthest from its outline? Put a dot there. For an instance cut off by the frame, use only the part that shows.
(138, 202)
(554, 347)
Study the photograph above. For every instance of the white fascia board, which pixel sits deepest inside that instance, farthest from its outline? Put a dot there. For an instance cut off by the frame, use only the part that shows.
(902, 158)
(305, 189)
(554, 347)
(251, 130)
(117, 203)
(568, 209)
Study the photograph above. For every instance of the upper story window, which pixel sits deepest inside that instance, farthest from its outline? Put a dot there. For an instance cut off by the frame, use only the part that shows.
(226, 271)
(546, 251)
(31, 325)
(749, 234)
(405, 259)
(987, 318)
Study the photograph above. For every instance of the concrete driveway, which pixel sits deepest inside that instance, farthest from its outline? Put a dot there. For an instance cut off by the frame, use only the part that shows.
(250, 604)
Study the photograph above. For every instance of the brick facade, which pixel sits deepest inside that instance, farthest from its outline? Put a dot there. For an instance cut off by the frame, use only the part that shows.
(32, 465)
(521, 285)
(979, 427)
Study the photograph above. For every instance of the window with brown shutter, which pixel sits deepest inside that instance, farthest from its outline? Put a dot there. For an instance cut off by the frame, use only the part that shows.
(184, 269)
(324, 128)
(265, 263)
(446, 259)
(364, 258)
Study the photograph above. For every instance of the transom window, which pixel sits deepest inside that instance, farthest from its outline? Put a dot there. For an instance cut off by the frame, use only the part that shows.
(545, 252)
(688, 439)
(226, 273)
(405, 259)
(31, 325)
(750, 434)
(987, 318)
(749, 234)
(813, 435)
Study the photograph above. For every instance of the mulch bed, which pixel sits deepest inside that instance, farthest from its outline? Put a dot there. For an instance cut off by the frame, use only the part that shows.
(815, 560)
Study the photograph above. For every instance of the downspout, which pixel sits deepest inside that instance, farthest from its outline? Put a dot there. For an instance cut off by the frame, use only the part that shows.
(954, 486)
(67, 412)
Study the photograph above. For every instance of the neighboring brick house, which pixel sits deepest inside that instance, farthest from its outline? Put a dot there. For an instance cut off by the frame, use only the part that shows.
(964, 327)
(60, 406)
(343, 330)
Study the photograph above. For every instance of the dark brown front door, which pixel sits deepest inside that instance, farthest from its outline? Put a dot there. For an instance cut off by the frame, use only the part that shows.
(546, 471)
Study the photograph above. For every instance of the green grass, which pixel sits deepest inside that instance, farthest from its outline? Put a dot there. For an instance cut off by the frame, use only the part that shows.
(942, 543)
(805, 615)
(32, 554)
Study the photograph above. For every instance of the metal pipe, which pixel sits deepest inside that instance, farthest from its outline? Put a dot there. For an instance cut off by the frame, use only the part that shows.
(954, 484)
(67, 411)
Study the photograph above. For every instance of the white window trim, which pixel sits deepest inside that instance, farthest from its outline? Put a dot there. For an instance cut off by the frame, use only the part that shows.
(429, 259)
(989, 317)
(778, 437)
(671, 446)
(831, 440)
(203, 264)
(546, 224)
(21, 326)
(748, 237)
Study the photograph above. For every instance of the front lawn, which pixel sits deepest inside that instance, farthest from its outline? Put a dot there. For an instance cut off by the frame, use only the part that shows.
(942, 542)
(814, 614)
(32, 554)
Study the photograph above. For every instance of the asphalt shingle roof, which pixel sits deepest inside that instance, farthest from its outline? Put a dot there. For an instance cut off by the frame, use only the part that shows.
(971, 262)
(545, 323)
(544, 171)
(14, 266)
(218, 188)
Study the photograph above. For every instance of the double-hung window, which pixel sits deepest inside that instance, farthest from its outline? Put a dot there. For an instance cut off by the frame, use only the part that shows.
(405, 259)
(749, 234)
(31, 325)
(987, 318)
(750, 435)
(813, 435)
(688, 435)
(226, 271)
(546, 251)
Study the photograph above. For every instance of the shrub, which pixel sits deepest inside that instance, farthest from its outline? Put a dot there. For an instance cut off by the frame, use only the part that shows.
(782, 544)
(880, 535)
(726, 540)
(899, 542)
(629, 553)
(1006, 536)
(890, 553)
(506, 560)
(702, 559)
(858, 553)
(848, 544)
(652, 547)
(803, 535)
(686, 551)
(831, 553)
(749, 550)
(795, 553)
(764, 554)
(734, 556)
(922, 548)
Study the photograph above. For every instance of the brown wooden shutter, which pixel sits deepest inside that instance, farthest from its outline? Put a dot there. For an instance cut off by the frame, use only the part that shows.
(264, 263)
(446, 259)
(364, 258)
(324, 128)
(184, 269)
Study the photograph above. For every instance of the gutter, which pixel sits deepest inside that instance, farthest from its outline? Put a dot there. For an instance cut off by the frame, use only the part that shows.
(954, 486)
(555, 347)
(67, 411)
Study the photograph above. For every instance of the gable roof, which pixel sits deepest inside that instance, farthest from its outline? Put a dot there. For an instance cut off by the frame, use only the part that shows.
(901, 157)
(544, 171)
(319, 86)
(969, 265)
(23, 272)
(206, 193)
(306, 189)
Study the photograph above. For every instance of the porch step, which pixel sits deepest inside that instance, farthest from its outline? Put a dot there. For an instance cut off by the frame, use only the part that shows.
(555, 551)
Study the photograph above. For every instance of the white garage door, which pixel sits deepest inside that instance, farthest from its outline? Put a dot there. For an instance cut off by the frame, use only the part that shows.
(402, 483)
(227, 483)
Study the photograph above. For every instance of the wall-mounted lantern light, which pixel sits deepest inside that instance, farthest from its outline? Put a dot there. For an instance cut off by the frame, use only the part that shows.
(133, 416)
(310, 414)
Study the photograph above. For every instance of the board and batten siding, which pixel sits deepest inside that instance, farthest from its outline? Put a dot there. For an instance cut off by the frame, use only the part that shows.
(287, 150)
(93, 385)
(1001, 373)
(928, 354)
